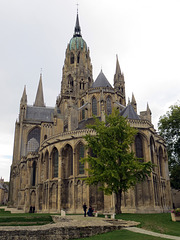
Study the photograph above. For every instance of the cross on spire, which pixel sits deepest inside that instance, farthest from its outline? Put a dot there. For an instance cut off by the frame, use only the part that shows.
(77, 7)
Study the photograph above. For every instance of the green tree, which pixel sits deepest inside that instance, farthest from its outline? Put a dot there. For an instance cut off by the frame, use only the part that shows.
(113, 164)
(169, 128)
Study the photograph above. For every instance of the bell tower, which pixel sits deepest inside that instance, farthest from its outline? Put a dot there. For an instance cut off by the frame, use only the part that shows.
(77, 69)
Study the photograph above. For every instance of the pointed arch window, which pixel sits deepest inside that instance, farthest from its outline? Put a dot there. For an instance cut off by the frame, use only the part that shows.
(152, 149)
(78, 57)
(82, 85)
(34, 173)
(70, 81)
(67, 159)
(55, 162)
(139, 147)
(89, 82)
(94, 106)
(81, 155)
(33, 140)
(83, 111)
(161, 161)
(72, 58)
(108, 105)
(47, 164)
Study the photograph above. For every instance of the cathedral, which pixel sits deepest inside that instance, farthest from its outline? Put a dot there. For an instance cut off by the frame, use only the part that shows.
(46, 172)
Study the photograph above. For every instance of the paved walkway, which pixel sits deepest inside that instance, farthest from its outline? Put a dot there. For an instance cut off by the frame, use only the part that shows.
(75, 220)
(140, 230)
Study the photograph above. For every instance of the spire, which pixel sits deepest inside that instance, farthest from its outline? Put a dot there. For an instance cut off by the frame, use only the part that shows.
(133, 103)
(148, 109)
(118, 70)
(39, 102)
(24, 96)
(77, 29)
(133, 100)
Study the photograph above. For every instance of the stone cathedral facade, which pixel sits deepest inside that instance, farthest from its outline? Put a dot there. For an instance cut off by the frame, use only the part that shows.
(46, 173)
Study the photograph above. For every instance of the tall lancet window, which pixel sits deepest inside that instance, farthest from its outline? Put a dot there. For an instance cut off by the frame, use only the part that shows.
(139, 147)
(161, 161)
(94, 106)
(81, 155)
(55, 162)
(78, 57)
(152, 149)
(70, 81)
(34, 173)
(72, 58)
(83, 111)
(108, 105)
(47, 164)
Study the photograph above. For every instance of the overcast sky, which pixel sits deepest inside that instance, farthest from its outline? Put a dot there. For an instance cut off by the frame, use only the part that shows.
(34, 34)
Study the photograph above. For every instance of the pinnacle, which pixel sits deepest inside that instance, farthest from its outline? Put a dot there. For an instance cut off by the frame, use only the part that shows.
(24, 96)
(118, 70)
(39, 101)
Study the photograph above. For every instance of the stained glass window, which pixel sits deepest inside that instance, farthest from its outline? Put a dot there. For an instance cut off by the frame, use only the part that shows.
(34, 174)
(108, 105)
(152, 149)
(139, 146)
(47, 164)
(83, 110)
(55, 162)
(81, 155)
(94, 106)
(33, 140)
(161, 161)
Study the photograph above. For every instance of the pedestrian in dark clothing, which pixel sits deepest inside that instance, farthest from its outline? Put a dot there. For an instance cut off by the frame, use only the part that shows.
(85, 209)
(90, 212)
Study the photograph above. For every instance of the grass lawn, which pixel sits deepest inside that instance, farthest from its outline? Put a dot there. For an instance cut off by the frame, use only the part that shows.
(159, 222)
(121, 234)
(23, 219)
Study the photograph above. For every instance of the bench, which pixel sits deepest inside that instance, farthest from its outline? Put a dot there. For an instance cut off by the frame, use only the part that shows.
(112, 215)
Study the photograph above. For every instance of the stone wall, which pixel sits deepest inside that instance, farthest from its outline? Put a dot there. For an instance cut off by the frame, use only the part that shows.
(54, 233)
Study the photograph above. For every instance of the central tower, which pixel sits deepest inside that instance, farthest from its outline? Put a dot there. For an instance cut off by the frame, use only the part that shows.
(77, 69)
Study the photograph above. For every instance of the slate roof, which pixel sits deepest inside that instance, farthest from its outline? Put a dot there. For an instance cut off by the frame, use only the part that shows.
(42, 114)
(129, 112)
(101, 81)
(83, 123)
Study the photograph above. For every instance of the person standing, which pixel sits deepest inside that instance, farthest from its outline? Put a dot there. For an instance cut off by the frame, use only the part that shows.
(85, 209)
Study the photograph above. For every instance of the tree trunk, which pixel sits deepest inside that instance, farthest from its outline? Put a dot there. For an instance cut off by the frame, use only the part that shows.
(118, 202)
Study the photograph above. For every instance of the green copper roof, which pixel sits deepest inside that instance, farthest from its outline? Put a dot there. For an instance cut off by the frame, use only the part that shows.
(77, 43)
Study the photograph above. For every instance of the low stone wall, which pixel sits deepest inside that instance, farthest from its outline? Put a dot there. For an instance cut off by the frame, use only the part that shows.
(55, 233)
